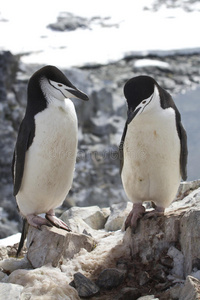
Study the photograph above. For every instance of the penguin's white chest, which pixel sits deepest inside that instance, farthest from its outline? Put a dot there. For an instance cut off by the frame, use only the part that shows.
(151, 169)
(50, 160)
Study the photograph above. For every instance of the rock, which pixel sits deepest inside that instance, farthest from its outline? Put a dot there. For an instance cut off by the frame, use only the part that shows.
(191, 289)
(11, 264)
(3, 253)
(149, 297)
(93, 216)
(128, 293)
(84, 286)
(68, 21)
(110, 278)
(180, 227)
(186, 187)
(10, 291)
(175, 291)
(144, 278)
(119, 212)
(8, 71)
(50, 244)
(45, 282)
(190, 239)
(196, 274)
(178, 261)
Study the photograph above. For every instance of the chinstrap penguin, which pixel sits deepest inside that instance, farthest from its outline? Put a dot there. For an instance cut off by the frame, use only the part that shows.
(153, 149)
(45, 152)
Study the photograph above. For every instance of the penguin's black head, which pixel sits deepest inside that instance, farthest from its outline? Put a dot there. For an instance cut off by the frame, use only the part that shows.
(139, 92)
(138, 89)
(52, 83)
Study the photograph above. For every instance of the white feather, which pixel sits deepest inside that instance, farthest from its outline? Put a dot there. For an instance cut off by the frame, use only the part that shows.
(50, 160)
(151, 169)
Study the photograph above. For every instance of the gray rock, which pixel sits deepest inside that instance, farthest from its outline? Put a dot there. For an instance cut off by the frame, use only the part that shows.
(128, 293)
(178, 261)
(175, 291)
(153, 237)
(11, 264)
(84, 286)
(110, 278)
(51, 244)
(190, 239)
(148, 297)
(119, 212)
(144, 278)
(186, 187)
(10, 291)
(190, 290)
(93, 216)
(68, 21)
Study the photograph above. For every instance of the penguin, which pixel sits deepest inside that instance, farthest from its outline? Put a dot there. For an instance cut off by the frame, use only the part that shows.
(46, 148)
(153, 148)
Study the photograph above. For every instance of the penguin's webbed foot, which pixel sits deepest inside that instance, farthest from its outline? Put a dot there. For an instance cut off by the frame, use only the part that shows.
(157, 212)
(50, 216)
(37, 221)
(135, 214)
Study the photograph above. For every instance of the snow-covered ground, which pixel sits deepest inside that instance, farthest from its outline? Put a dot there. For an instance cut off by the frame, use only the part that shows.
(10, 240)
(23, 30)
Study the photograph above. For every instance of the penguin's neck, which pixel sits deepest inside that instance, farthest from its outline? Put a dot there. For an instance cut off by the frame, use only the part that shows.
(65, 105)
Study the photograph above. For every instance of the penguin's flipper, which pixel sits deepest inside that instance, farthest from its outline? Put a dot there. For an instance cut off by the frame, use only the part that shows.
(23, 236)
(121, 148)
(184, 152)
(24, 140)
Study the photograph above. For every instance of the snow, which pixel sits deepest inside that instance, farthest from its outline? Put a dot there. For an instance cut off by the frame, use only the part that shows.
(10, 240)
(139, 31)
(140, 63)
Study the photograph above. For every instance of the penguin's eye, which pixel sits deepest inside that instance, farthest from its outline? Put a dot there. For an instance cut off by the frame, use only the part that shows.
(143, 102)
(59, 84)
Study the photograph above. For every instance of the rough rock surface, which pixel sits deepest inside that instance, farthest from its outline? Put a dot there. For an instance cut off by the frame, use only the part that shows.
(52, 245)
(191, 289)
(10, 291)
(159, 261)
(67, 22)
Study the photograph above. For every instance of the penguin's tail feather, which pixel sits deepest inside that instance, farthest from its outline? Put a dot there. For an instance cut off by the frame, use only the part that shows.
(23, 236)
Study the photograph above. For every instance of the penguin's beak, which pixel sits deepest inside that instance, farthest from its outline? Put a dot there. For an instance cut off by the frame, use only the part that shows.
(77, 93)
(132, 114)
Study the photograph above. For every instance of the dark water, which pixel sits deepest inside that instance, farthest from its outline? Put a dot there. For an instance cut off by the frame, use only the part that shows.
(189, 107)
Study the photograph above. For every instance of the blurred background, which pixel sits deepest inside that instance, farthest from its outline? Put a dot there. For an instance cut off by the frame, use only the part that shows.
(99, 45)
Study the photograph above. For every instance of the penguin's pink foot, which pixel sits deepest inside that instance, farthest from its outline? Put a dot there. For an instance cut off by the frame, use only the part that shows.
(157, 212)
(135, 214)
(50, 216)
(37, 221)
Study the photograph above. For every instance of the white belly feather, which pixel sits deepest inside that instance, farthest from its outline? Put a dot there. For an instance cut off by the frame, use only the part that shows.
(50, 160)
(151, 169)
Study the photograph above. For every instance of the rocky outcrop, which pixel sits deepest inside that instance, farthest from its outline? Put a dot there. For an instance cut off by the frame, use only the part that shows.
(161, 260)
(96, 180)
(8, 114)
(68, 22)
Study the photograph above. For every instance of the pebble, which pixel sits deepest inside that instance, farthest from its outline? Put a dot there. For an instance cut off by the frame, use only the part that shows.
(110, 278)
(84, 286)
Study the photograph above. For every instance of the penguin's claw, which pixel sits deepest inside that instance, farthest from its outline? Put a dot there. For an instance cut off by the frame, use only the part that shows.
(37, 221)
(157, 212)
(135, 214)
(50, 216)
